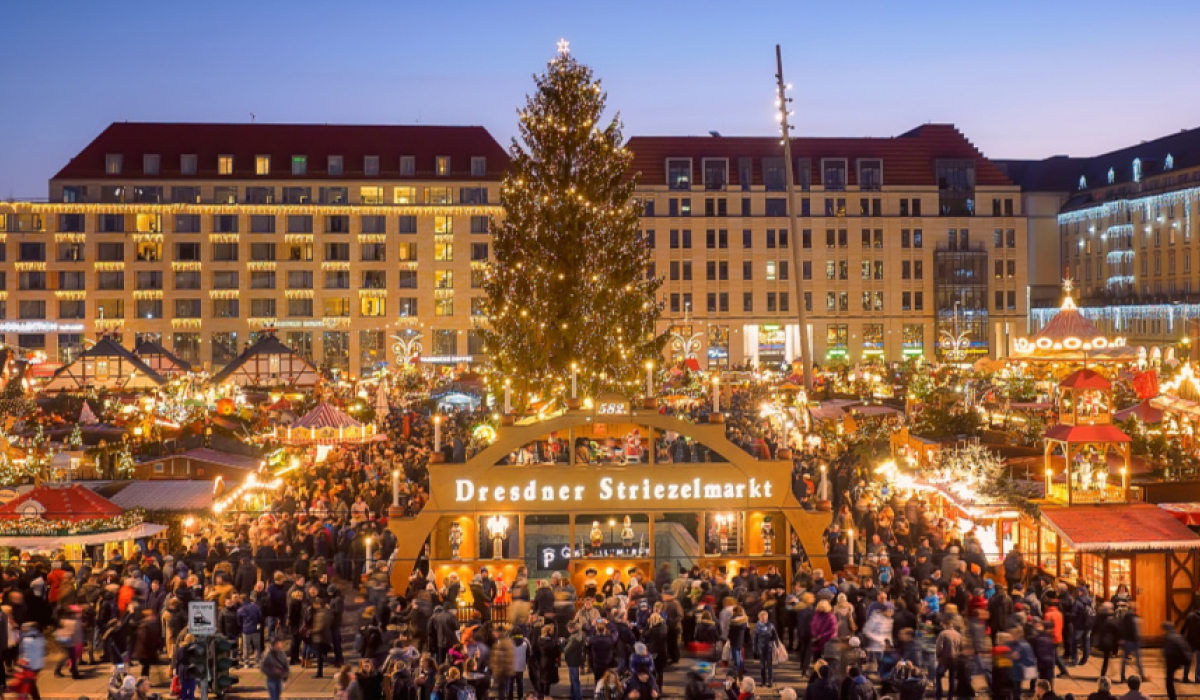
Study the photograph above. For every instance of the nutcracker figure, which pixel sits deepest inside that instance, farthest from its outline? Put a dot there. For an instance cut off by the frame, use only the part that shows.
(456, 538)
(597, 536)
(627, 533)
(723, 533)
(768, 536)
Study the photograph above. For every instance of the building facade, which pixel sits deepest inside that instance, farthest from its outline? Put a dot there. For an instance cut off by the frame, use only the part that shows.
(342, 238)
(352, 241)
(912, 246)
(1127, 235)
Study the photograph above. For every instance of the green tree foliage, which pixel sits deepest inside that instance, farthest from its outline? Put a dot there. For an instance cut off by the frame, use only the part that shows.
(568, 284)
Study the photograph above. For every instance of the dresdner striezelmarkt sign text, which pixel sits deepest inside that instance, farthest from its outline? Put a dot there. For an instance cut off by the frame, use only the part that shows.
(685, 486)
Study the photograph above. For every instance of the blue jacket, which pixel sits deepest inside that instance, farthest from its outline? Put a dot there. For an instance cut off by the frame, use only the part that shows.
(249, 618)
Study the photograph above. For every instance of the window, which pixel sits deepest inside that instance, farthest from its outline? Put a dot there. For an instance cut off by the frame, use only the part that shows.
(747, 270)
(75, 281)
(225, 279)
(334, 165)
(188, 164)
(262, 279)
(297, 195)
(71, 310)
(262, 223)
(478, 166)
(224, 252)
(771, 271)
(150, 163)
(443, 251)
(679, 173)
(299, 165)
(775, 206)
(372, 306)
(262, 166)
(335, 195)
(834, 174)
(300, 279)
(482, 224)
(262, 308)
(917, 238)
(150, 308)
(408, 279)
(113, 163)
(106, 252)
(716, 173)
(31, 281)
(479, 252)
(774, 176)
(745, 172)
(337, 306)
(407, 306)
(443, 307)
(262, 251)
(374, 252)
(71, 223)
(687, 270)
(110, 223)
(408, 166)
(337, 251)
(443, 279)
(187, 280)
(374, 279)
(31, 309)
(224, 165)
(370, 195)
(110, 308)
(407, 224)
(371, 166)
(225, 223)
(747, 239)
(472, 195)
(149, 279)
(337, 224)
(442, 166)
(870, 175)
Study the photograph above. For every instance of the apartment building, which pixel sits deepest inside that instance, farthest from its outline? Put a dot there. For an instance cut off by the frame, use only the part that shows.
(342, 238)
(1127, 234)
(911, 246)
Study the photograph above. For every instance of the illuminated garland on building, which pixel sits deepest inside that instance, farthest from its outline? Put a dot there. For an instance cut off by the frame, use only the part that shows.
(42, 527)
(253, 209)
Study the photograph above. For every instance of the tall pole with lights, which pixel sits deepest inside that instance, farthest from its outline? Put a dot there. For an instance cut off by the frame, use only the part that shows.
(793, 212)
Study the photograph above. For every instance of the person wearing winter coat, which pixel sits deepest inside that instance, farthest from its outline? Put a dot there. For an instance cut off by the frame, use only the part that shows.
(182, 664)
(1176, 653)
(947, 649)
(738, 628)
(1131, 641)
(860, 687)
(822, 687)
(320, 633)
(443, 632)
(641, 686)
(1106, 635)
(1045, 652)
(878, 632)
(547, 653)
(274, 667)
(601, 645)
(1083, 613)
(574, 654)
(1191, 634)
(147, 641)
(609, 687)
(250, 620)
(765, 636)
(657, 638)
(823, 628)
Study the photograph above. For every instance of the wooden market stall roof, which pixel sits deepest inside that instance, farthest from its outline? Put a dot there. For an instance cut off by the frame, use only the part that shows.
(1143, 411)
(159, 358)
(1133, 527)
(73, 503)
(268, 362)
(326, 415)
(105, 365)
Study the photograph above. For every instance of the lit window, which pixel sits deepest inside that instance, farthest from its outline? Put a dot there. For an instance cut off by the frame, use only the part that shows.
(771, 276)
(443, 279)
(299, 165)
(373, 306)
(371, 195)
(443, 307)
(224, 165)
(443, 252)
(262, 165)
(150, 163)
(443, 166)
(113, 163)
(404, 195)
(443, 224)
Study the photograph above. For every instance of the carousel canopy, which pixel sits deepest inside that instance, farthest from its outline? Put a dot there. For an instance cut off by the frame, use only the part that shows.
(326, 415)
(268, 362)
(105, 365)
(159, 358)
(1085, 379)
(73, 503)
(1071, 337)
(1086, 433)
(1133, 527)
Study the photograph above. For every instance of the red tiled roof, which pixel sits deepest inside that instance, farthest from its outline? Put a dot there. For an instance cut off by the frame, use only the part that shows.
(325, 415)
(281, 142)
(1139, 526)
(73, 503)
(1086, 433)
(908, 159)
(1085, 379)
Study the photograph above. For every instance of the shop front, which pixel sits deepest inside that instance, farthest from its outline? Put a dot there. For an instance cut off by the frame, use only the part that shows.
(601, 513)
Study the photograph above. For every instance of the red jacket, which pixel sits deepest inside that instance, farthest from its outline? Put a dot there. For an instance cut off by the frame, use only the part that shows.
(1054, 621)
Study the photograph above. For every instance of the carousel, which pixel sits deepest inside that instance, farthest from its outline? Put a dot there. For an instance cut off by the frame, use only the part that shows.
(326, 425)
(1070, 339)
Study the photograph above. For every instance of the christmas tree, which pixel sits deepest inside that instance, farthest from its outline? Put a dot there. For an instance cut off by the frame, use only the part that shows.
(568, 285)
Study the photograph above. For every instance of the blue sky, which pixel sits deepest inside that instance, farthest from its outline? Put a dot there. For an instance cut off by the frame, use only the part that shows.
(1021, 79)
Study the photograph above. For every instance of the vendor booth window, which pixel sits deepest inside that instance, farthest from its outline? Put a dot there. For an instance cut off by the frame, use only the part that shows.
(723, 533)
(1119, 572)
(548, 548)
(1049, 560)
(612, 536)
(499, 536)
(676, 541)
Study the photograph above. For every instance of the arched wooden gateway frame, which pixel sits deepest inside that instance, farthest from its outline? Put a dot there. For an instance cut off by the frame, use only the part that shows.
(462, 496)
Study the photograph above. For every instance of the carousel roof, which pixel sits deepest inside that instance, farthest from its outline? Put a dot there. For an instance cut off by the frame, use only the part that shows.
(1067, 323)
(1085, 379)
(73, 503)
(1086, 433)
(1132, 527)
(325, 415)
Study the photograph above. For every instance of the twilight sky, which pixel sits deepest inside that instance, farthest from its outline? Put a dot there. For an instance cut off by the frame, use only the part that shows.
(1021, 78)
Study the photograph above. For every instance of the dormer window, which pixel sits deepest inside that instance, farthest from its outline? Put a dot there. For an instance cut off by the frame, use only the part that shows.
(335, 166)
(834, 174)
(299, 165)
(1137, 169)
(371, 166)
(188, 163)
(870, 174)
(150, 164)
(224, 165)
(408, 166)
(679, 173)
(262, 165)
(478, 166)
(113, 163)
(1169, 163)
(443, 166)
